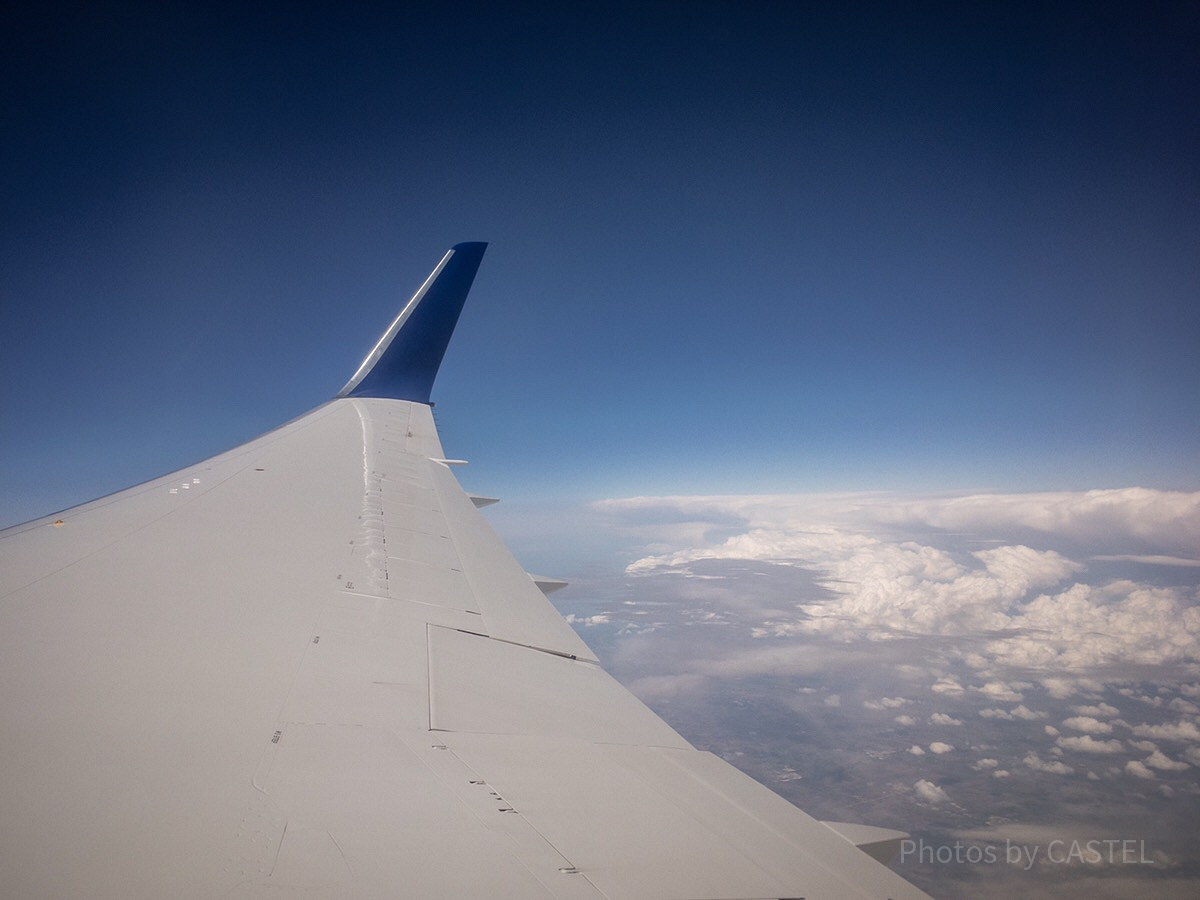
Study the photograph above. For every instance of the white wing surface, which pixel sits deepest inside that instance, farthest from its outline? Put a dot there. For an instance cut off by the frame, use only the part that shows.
(308, 668)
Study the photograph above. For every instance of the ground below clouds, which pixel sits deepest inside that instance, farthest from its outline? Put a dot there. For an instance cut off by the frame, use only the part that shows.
(1015, 683)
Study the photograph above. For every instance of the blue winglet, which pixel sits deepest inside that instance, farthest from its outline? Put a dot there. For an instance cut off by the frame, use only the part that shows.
(405, 361)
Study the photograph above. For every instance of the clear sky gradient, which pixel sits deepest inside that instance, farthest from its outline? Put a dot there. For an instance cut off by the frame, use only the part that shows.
(735, 247)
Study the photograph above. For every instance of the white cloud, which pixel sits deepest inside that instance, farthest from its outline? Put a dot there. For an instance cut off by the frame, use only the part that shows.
(1180, 731)
(832, 700)
(944, 719)
(1022, 569)
(997, 690)
(1088, 744)
(1060, 688)
(1159, 760)
(1157, 523)
(1088, 724)
(1094, 625)
(1040, 618)
(1054, 767)
(886, 703)
(1133, 767)
(930, 792)
(1161, 519)
(1152, 560)
(1130, 692)
(947, 686)
(588, 621)
(1021, 712)
(1021, 627)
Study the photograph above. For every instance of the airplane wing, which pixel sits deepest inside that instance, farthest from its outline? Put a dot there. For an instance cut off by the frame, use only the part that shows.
(307, 667)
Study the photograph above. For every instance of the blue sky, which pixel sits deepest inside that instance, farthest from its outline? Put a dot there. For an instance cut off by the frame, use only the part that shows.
(778, 248)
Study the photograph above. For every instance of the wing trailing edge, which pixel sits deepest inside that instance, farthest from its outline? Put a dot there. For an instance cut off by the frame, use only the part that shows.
(405, 361)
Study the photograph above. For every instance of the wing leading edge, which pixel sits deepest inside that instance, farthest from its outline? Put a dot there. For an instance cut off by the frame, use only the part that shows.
(307, 667)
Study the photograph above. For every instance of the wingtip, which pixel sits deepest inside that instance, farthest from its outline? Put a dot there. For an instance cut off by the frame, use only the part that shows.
(405, 361)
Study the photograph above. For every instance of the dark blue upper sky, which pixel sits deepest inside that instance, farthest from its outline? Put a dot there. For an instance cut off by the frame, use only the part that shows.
(734, 247)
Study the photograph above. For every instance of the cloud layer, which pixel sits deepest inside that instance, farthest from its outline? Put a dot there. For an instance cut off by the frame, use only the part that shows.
(950, 665)
(992, 568)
